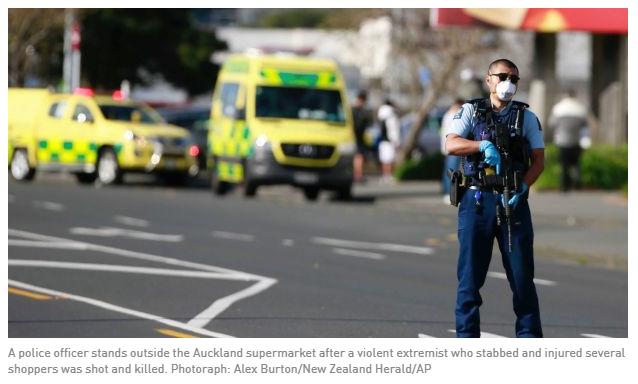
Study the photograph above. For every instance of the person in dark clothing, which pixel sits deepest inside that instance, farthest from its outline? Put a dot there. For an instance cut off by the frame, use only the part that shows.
(362, 119)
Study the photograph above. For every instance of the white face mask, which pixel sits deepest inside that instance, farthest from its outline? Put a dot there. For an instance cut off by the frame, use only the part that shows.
(505, 90)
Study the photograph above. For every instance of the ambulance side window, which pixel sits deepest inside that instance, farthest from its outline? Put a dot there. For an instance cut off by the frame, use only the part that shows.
(57, 109)
(82, 114)
(228, 97)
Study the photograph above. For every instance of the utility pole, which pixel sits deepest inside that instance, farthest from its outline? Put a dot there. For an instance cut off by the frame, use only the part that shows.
(72, 55)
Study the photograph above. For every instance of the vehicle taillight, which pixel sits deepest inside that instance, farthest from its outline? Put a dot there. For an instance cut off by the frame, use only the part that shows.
(118, 95)
(194, 150)
(84, 92)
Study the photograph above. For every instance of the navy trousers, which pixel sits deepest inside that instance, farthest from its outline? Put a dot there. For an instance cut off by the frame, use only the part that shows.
(477, 230)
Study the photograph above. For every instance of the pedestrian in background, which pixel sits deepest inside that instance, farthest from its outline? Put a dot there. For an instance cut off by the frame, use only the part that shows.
(451, 161)
(390, 138)
(569, 121)
(362, 119)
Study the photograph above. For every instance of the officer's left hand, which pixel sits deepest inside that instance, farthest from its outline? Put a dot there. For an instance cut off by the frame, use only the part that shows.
(518, 196)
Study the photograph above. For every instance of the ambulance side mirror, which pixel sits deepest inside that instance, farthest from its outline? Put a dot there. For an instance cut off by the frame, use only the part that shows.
(240, 114)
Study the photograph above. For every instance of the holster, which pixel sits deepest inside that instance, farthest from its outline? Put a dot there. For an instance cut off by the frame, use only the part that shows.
(457, 189)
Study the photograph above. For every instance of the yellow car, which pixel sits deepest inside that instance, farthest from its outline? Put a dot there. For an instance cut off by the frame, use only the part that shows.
(94, 137)
(281, 120)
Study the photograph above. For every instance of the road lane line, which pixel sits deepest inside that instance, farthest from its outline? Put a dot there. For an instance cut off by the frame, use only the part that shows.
(594, 335)
(373, 246)
(117, 308)
(172, 333)
(483, 334)
(49, 205)
(209, 313)
(29, 294)
(220, 305)
(46, 244)
(122, 232)
(122, 269)
(355, 253)
(133, 254)
(132, 221)
(503, 276)
(424, 336)
(233, 236)
(288, 243)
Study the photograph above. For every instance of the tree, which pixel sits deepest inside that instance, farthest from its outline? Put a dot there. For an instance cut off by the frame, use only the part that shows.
(440, 51)
(35, 44)
(140, 44)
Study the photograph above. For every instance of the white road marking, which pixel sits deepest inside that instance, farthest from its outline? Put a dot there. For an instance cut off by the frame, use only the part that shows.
(220, 305)
(595, 336)
(355, 253)
(483, 334)
(503, 276)
(373, 246)
(206, 316)
(122, 269)
(46, 244)
(424, 336)
(288, 243)
(49, 205)
(122, 232)
(132, 221)
(116, 308)
(233, 236)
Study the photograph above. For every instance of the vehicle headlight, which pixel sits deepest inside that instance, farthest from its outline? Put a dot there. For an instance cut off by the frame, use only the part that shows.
(347, 148)
(132, 136)
(262, 143)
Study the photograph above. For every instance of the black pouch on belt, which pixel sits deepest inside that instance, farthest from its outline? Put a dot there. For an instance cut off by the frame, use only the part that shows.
(456, 188)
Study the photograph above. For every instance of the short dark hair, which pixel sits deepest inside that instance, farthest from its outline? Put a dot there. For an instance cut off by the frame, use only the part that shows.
(505, 62)
(362, 95)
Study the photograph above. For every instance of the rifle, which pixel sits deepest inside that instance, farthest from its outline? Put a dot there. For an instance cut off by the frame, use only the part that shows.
(509, 179)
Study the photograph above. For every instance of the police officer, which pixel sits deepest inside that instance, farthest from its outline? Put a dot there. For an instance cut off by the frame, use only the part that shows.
(472, 135)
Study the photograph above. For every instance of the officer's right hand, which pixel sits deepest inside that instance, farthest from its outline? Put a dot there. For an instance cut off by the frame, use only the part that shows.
(492, 157)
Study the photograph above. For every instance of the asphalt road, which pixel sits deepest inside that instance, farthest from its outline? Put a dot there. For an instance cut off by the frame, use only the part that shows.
(143, 260)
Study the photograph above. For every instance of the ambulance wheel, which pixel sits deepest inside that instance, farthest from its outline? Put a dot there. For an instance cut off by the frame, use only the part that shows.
(344, 192)
(250, 189)
(108, 169)
(86, 178)
(20, 168)
(311, 193)
(219, 187)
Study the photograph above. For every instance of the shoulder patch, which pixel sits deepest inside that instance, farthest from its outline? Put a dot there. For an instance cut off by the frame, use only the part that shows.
(458, 114)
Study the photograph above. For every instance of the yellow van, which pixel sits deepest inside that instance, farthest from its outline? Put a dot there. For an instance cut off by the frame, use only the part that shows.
(281, 120)
(94, 137)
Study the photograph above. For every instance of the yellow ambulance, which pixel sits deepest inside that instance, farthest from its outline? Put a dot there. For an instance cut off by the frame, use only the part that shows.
(94, 137)
(281, 120)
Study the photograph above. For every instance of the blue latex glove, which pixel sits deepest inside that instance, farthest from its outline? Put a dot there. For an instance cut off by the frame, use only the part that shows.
(517, 196)
(492, 157)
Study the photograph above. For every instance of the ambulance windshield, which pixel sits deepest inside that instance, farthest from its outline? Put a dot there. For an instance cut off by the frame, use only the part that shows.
(129, 113)
(299, 103)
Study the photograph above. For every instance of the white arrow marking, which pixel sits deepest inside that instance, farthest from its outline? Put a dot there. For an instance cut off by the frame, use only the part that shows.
(117, 308)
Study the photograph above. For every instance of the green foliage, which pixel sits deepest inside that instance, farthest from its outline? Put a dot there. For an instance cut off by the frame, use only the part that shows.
(601, 167)
(427, 168)
(294, 18)
(117, 43)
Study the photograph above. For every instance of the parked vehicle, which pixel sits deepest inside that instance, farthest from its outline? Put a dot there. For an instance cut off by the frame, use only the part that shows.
(281, 120)
(196, 119)
(94, 137)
